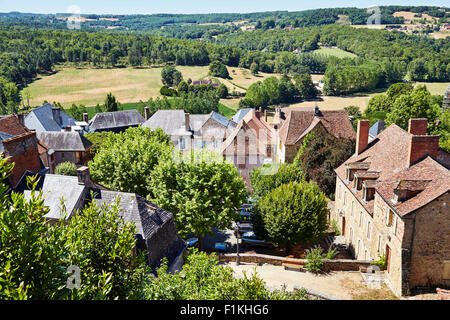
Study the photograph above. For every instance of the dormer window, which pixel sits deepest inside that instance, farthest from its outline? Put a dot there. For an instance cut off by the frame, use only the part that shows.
(368, 190)
(361, 177)
(406, 189)
(353, 168)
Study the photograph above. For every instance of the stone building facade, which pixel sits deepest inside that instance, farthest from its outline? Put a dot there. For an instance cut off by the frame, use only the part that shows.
(392, 200)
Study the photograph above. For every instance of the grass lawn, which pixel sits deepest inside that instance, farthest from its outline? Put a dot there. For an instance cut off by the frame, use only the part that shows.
(335, 52)
(435, 87)
(89, 86)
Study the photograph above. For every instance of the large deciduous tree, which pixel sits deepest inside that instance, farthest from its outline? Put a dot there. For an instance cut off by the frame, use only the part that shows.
(170, 76)
(126, 160)
(201, 190)
(294, 213)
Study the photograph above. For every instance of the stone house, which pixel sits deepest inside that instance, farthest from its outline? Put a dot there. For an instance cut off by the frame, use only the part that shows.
(21, 147)
(192, 131)
(117, 121)
(49, 118)
(67, 146)
(295, 124)
(156, 232)
(392, 200)
(251, 144)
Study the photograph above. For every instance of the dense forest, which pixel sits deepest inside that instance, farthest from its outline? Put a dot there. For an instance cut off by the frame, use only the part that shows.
(383, 57)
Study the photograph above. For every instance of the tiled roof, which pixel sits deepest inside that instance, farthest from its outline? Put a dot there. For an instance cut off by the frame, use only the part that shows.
(10, 124)
(300, 121)
(117, 119)
(64, 141)
(388, 155)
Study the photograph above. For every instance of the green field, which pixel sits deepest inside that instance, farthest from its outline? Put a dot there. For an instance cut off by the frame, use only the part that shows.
(335, 52)
(89, 86)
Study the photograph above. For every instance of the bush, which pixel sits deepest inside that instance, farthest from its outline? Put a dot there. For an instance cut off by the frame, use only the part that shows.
(165, 91)
(66, 169)
(314, 260)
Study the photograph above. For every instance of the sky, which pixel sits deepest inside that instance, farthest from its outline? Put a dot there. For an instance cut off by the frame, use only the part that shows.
(192, 6)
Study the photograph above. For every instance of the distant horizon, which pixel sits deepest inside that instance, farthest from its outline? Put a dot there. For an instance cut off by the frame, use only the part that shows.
(194, 7)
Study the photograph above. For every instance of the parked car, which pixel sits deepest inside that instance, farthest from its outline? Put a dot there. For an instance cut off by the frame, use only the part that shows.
(250, 239)
(221, 247)
(242, 228)
(192, 242)
(245, 212)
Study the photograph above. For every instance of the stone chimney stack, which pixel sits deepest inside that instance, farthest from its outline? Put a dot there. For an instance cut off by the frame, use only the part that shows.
(84, 176)
(258, 113)
(362, 136)
(186, 121)
(147, 113)
(418, 127)
(56, 113)
(21, 119)
(85, 117)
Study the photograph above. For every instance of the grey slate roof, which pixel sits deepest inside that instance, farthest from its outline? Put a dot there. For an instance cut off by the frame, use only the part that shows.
(4, 136)
(57, 187)
(117, 119)
(376, 129)
(241, 114)
(227, 123)
(171, 122)
(64, 141)
(41, 119)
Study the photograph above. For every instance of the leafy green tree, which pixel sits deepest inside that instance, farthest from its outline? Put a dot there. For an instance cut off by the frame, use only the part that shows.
(396, 90)
(443, 130)
(169, 92)
(218, 69)
(417, 104)
(111, 103)
(294, 213)
(201, 190)
(102, 245)
(66, 169)
(353, 111)
(170, 76)
(254, 68)
(203, 279)
(378, 103)
(31, 250)
(305, 86)
(126, 160)
(183, 87)
(222, 91)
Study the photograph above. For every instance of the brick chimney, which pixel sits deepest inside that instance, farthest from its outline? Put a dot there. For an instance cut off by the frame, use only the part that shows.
(418, 127)
(147, 113)
(56, 113)
(85, 117)
(362, 136)
(420, 146)
(186, 121)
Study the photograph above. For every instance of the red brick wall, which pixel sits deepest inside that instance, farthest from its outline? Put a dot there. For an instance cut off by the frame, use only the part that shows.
(362, 135)
(23, 151)
(423, 145)
(418, 127)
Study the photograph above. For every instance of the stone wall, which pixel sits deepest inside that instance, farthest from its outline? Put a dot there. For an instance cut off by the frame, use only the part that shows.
(330, 265)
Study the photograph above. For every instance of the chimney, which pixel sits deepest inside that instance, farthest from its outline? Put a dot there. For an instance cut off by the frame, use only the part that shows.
(147, 113)
(258, 113)
(316, 111)
(84, 177)
(186, 121)
(362, 136)
(56, 113)
(68, 129)
(21, 119)
(420, 146)
(265, 115)
(418, 127)
(85, 117)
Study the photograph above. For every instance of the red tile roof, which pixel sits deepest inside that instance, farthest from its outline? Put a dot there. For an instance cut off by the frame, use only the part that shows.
(388, 154)
(301, 121)
(10, 124)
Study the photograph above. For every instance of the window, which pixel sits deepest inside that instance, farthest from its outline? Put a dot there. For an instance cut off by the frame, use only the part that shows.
(380, 243)
(369, 229)
(182, 143)
(361, 219)
(345, 197)
(340, 192)
(215, 144)
(353, 207)
(389, 217)
(351, 235)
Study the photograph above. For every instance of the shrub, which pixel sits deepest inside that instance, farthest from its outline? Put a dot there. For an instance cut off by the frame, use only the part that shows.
(314, 260)
(165, 91)
(66, 169)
